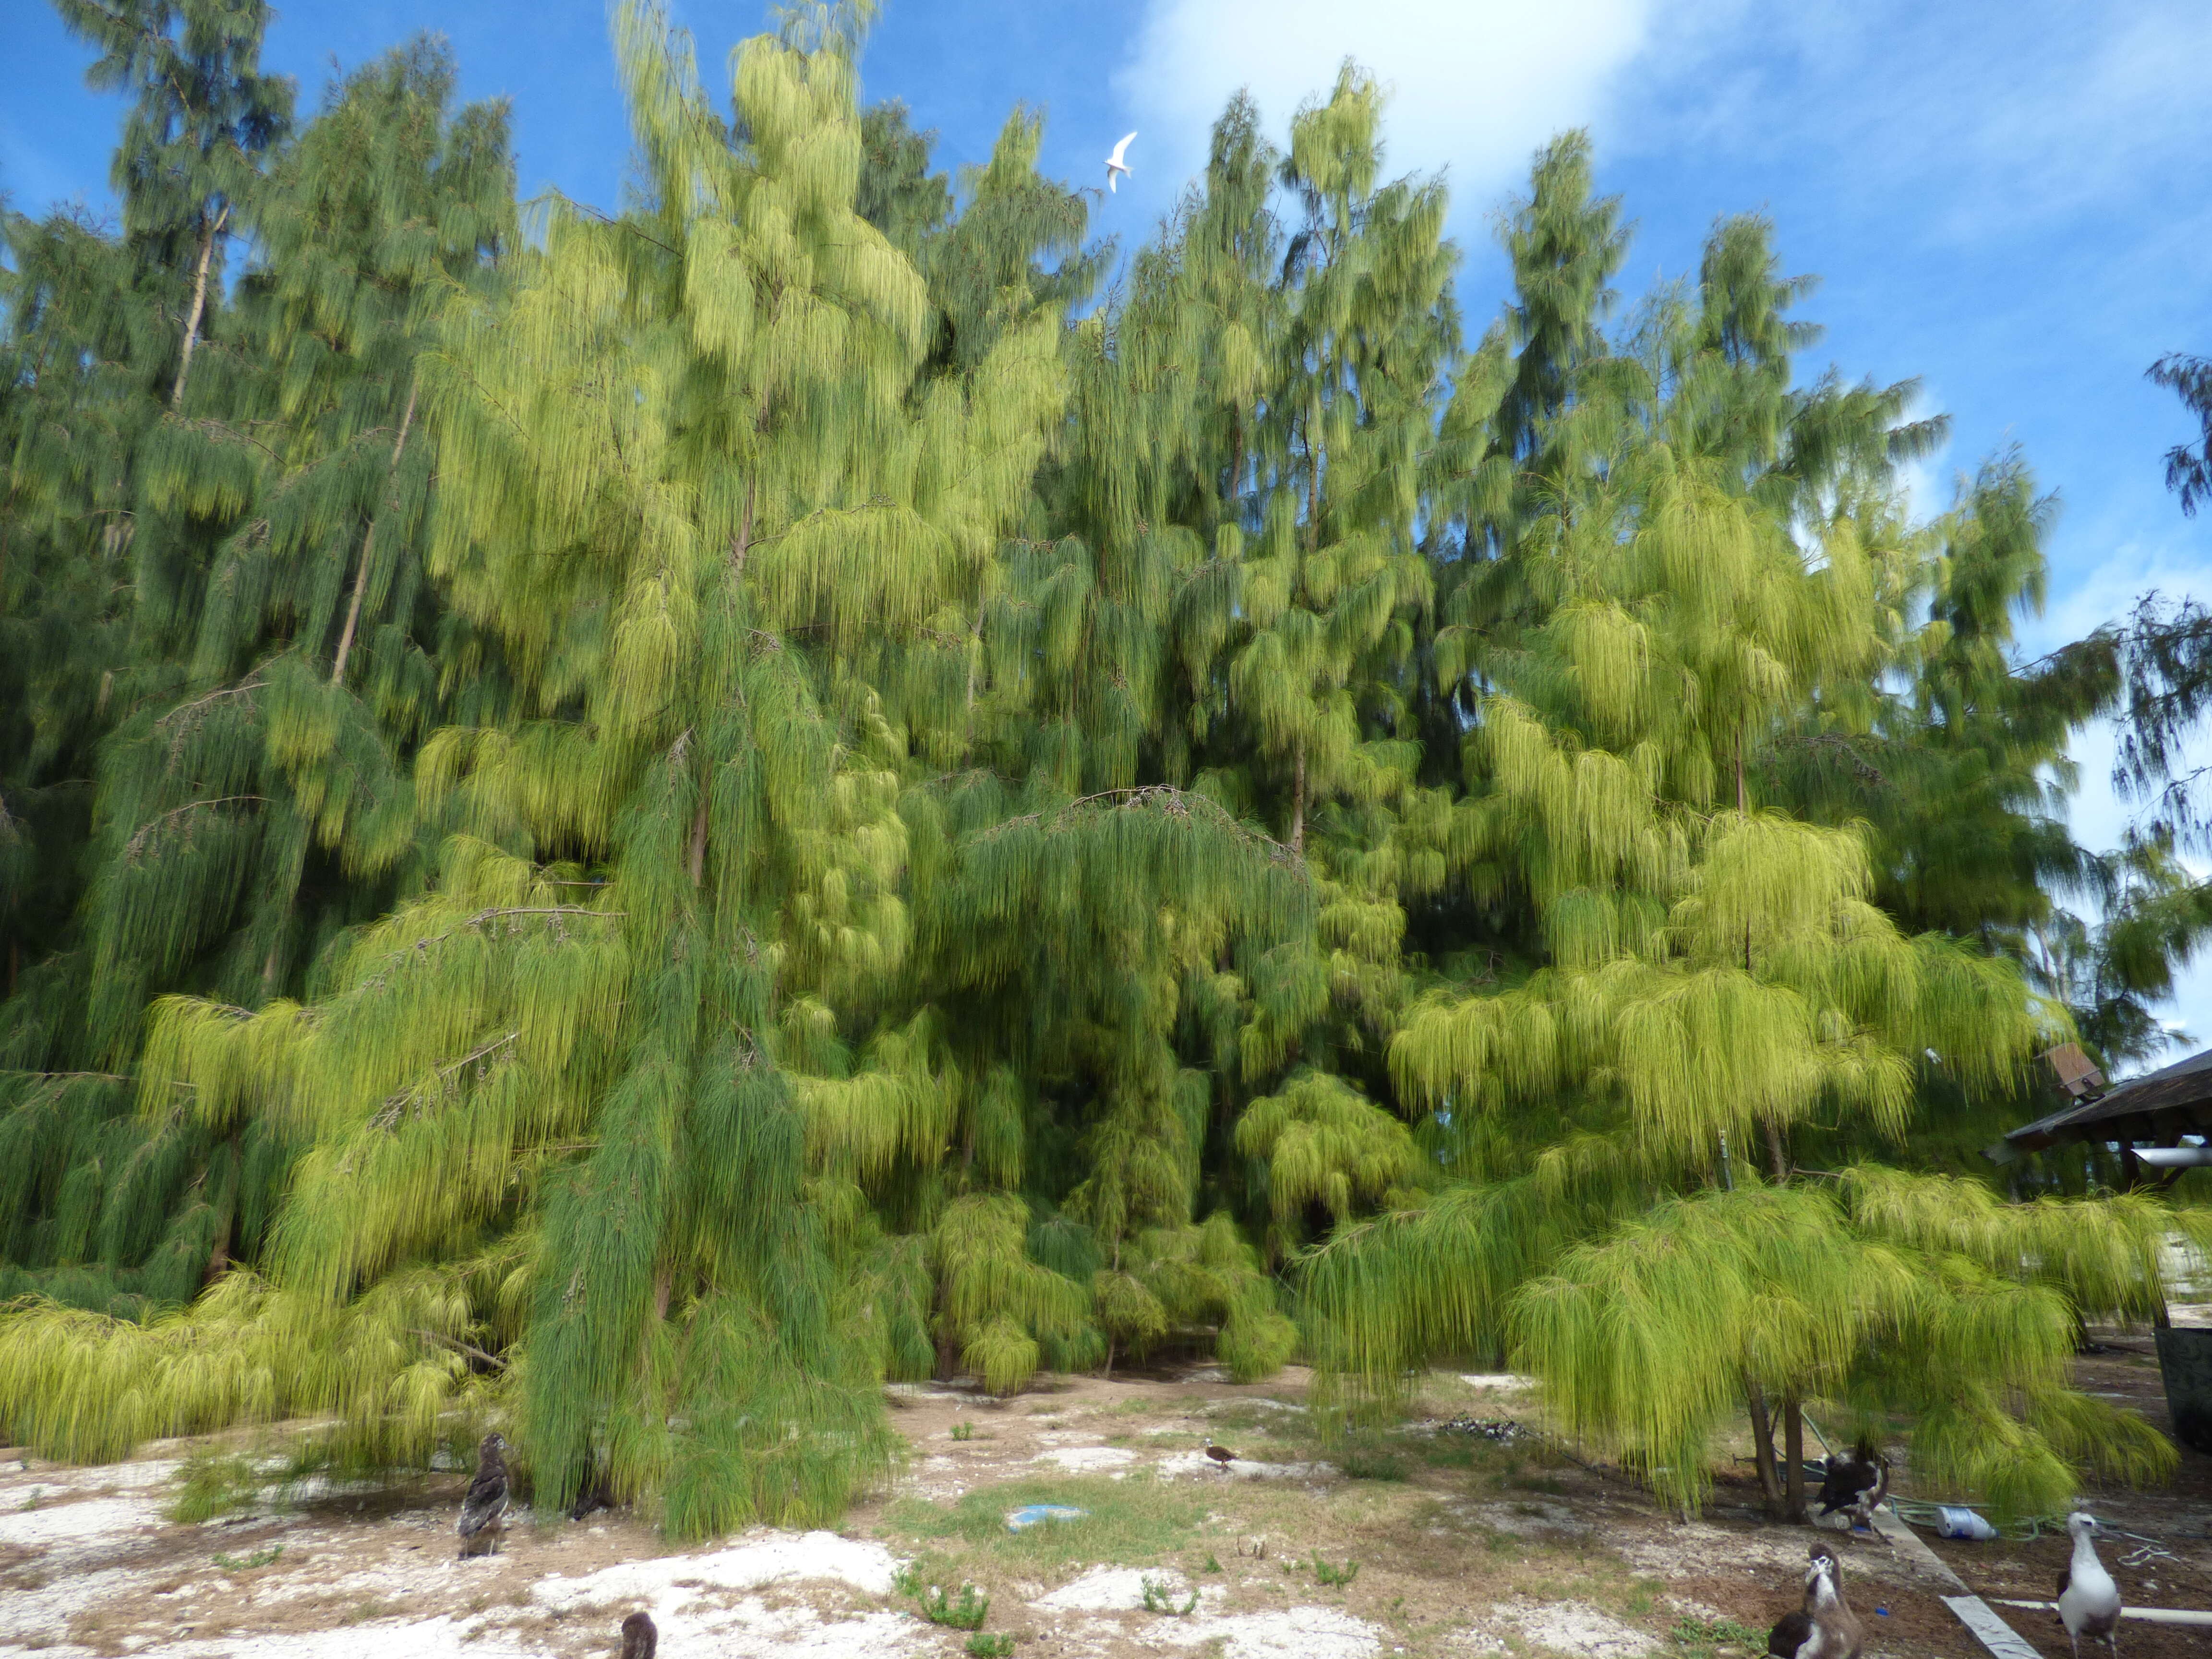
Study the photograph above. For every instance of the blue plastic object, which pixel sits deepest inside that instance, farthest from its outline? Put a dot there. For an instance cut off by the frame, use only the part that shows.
(1031, 1515)
(1953, 1522)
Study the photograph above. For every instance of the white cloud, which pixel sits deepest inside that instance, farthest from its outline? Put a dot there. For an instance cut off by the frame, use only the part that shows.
(2064, 110)
(1476, 84)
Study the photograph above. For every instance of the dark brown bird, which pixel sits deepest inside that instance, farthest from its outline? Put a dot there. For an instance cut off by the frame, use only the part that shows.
(1825, 1627)
(484, 1511)
(597, 1493)
(640, 1638)
(1855, 1485)
(1220, 1455)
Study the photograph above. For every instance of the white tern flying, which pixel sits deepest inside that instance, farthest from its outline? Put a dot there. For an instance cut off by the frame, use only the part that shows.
(1115, 163)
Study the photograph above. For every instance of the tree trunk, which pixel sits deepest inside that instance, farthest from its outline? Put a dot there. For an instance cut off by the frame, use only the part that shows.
(226, 1216)
(1793, 1451)
(1740, 797)
(360, 576)
(199, 304)
(1299, 805)
(696, 862)
(1777, 1156)
(741, 544)
(1762, 1446)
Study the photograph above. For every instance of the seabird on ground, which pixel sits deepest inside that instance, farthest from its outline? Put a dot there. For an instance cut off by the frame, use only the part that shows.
(1825, 1627)
(595, 1494)
(1220, 1455)
(484, 1511)
(640, 1638)
(2088, 1600)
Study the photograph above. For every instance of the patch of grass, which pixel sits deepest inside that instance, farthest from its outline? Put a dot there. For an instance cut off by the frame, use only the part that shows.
(1703, 1638)
(966, 1611)
(963, 1431)
(995, 1645)
(32, 1502)
(1131, 1522)
(1371, 1463)
(362, 1612)
(1212, 1565)
(249, 1563)
(1159, 1597)
(1447, 1451)
(1324, 1573)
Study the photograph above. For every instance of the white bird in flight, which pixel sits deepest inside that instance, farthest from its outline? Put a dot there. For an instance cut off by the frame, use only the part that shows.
(1115, 163)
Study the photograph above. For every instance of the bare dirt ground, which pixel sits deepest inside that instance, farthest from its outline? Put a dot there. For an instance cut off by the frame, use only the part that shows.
(1429, 1542)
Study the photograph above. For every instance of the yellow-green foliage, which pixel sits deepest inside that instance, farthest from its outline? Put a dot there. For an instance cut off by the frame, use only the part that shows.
(725, 802)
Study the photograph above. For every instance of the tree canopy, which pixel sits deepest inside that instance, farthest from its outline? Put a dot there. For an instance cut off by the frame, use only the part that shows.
(638, 822)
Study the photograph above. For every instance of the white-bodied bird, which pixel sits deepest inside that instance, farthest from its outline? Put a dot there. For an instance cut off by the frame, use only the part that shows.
(1115, 163)
(2088, 1600)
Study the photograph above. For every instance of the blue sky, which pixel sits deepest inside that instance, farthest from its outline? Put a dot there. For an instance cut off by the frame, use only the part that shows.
(2005, 198)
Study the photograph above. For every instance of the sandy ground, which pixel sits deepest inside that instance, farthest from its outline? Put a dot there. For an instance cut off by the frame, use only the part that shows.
(1429, 1542)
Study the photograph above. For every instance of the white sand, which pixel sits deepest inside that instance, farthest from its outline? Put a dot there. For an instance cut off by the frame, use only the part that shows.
(1116, 1590)
(1086, 1459)
(1294, 1633)
(770, 1558)
(1573, 1627)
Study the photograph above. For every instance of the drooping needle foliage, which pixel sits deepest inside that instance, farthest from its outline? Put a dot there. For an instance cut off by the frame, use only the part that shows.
(639, 826)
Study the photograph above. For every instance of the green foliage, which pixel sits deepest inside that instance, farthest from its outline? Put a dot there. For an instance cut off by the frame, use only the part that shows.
(966, 1611)
(993, 1645)
(249, 1563)
(1328, 1573)
(1159, 1597)
(214, 1483)
(636, 831)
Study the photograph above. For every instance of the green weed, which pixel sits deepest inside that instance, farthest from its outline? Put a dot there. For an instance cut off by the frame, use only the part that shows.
(1159, 1597)
(995, 1645)
(248, 1564)
(213, 1483)
(963, 1431)
(1326, 1574)
(966, 1611)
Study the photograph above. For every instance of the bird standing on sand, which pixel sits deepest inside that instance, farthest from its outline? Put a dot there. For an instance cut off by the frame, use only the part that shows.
(484, 1511)
(640, 1638)
(2088, 1600)
(1221, 1454)
(1825, 1627)
(1117, 163)
(1855, 1485)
